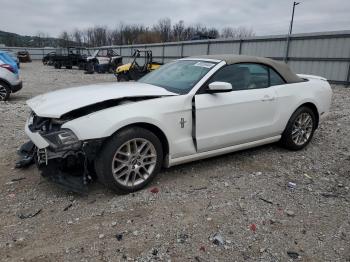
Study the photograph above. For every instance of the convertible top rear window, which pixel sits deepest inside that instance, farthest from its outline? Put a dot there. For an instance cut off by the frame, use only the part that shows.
(179, 76)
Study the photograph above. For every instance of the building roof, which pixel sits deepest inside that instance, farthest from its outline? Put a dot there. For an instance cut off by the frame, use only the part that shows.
(281, 67)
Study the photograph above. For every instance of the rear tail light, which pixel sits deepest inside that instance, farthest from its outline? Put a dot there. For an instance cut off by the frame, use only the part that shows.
(8, 67)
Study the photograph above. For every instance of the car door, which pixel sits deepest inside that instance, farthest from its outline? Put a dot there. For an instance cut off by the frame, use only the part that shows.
(245, 114)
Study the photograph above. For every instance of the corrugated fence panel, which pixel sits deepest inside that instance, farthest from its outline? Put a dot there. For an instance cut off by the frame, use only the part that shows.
(224, 48)
(264, 48)
(156, 50)
(172, 51)
(195, 49)
(324, 47)
(330, 70)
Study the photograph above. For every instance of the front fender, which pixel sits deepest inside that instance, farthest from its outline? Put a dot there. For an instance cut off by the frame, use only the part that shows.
(106, 122)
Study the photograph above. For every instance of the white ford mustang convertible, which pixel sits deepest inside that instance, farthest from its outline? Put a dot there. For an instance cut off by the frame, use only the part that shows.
(189, 109)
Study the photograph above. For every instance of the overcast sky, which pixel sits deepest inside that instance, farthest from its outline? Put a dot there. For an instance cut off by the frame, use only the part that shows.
(265, 17)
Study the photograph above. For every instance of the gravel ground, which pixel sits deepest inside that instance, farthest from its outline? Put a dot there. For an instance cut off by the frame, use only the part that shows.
(231, 208)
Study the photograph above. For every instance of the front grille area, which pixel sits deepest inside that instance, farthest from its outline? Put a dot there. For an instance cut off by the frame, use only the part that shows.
(42, 125)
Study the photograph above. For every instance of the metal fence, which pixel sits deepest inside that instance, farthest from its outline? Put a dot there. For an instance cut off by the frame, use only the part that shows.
(326, 54)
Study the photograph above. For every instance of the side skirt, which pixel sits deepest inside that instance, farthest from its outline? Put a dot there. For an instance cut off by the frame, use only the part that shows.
(221, 151)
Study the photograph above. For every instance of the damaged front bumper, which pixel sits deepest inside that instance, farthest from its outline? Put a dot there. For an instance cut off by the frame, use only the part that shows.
(60, 156)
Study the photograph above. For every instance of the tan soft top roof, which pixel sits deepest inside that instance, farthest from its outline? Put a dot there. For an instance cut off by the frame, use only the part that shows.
(280, 67)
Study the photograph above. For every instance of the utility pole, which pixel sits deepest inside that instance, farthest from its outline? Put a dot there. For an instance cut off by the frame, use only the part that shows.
(290, 31)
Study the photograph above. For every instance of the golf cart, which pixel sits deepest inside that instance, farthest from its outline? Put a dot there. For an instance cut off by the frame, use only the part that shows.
(141, 64)
(102, 61)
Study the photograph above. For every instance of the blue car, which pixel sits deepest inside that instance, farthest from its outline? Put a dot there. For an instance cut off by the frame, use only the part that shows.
(9, 76)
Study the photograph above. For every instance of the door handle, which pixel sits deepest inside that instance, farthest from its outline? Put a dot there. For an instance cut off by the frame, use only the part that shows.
(267, 98)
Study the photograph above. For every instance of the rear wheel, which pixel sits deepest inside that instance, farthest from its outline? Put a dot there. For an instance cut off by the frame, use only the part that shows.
(5, 91)
(300, 129)
(129, 160)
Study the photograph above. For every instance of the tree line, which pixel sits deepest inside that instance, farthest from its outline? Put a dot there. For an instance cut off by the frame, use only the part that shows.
(126, 34)
(162, 31)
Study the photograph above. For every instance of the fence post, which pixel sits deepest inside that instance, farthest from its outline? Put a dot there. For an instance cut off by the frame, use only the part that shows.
(163, 49)
(182, 50)
(240, 46)
(348, 77)
(208, 48)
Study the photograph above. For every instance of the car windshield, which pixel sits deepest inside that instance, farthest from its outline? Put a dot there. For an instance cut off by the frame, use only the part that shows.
(179, 76)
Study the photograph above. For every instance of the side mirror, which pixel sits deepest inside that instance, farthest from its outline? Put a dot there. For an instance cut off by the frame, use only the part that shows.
(219, 87)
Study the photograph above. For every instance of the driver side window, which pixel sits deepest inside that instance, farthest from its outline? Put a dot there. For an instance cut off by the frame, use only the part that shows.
(243, 76)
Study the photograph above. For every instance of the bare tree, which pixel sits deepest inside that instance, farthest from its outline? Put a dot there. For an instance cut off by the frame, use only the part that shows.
(77, 37)
(65, 39)
(237, 32)
(178, 31)
(163, 27)
(139, 34)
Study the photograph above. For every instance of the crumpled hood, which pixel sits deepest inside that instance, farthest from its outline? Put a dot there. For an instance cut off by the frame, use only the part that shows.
(57, 103)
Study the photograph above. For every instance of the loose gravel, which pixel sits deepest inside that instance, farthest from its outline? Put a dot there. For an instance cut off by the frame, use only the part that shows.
(262, 204)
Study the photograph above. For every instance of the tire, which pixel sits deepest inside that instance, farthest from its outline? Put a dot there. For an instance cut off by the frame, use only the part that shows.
(130, 167)
(300, 129)
(122, 78)
(89, 68)
(58, 65)
(5, 91)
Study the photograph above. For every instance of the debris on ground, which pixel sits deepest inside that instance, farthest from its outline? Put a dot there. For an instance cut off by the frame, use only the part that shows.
(292, 185)
(290, 213)
(27, 154)
(292, 254)
(29, 215)
(119, 237)
(17, 179)
(182, 238)
(306, 175)
(252, 227)
(68, 207)
(329, 194)
(218, 240)
(154, 190)
(266, 200)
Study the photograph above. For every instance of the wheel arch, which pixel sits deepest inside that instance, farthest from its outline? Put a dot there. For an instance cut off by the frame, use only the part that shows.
(6, 83)
(307, 104)
(314, 109)
(155, 130)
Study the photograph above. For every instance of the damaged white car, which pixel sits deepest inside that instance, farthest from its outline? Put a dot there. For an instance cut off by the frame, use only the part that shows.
(189, 109)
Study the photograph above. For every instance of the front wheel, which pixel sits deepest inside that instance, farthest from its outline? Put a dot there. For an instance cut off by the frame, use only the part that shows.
(129, 160)
(58, 65)
(300, 129)
(5, 91)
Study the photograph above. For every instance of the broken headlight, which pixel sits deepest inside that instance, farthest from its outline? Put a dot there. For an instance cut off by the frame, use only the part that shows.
(62, 139)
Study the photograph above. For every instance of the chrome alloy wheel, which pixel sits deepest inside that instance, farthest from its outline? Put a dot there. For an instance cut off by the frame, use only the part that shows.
(302, 129)
(134, 162)
(3, 92)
